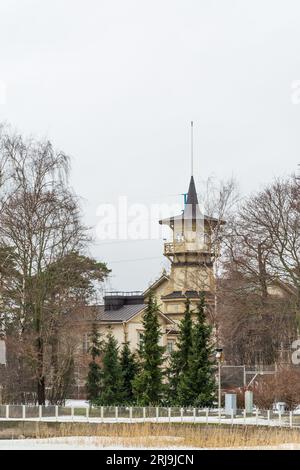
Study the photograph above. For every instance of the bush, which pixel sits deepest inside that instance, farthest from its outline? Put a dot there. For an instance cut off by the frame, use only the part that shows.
(283, 386)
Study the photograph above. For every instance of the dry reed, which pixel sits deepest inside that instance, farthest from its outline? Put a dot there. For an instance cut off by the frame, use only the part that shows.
(155, 435)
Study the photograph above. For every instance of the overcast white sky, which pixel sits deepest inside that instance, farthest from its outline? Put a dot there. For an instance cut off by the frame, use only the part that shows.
(115, 83)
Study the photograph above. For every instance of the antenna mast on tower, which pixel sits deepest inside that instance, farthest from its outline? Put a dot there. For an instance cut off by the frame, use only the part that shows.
(192, 159)
(192, 148)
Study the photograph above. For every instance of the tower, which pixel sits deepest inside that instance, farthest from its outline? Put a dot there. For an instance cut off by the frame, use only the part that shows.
(191, 255)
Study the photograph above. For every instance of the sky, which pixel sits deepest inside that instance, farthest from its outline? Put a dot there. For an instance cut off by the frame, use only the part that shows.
(115, 84)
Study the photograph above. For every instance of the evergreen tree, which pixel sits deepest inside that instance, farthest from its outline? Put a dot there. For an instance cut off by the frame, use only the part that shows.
(148, 384)
(129, 370)
(197, 385)
(94, 374)
(179, 357)
(111, 392)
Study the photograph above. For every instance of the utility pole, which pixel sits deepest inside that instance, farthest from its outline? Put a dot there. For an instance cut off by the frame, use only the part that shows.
(219, 357)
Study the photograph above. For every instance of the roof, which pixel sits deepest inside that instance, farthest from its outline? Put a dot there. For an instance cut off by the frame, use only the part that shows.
(191, 211)
(190, 294)
(157, 283)
(192, 197)
(121, 315)
(124, 314)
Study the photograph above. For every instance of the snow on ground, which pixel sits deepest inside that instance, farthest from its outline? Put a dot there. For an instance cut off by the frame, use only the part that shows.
(77, 404)
(87, 443)
(108, 443)
(202, 419)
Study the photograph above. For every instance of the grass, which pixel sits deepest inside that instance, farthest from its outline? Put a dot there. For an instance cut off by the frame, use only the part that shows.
(172, 435)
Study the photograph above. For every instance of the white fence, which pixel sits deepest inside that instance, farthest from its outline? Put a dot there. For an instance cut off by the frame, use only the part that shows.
(123, 414)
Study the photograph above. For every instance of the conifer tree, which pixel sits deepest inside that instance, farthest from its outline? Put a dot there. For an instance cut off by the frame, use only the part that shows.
(179, 357)
(148, 384)
(129, 370)
(111, 392)
(94, 374)
(197, 385)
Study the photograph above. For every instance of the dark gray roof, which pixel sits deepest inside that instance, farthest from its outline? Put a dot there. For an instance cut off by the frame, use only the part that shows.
(191, 211)
(121, 315)
(191, 294)
(192, 198)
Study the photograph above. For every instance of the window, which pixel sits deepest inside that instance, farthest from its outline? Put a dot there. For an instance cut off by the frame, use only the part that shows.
(179, 237)
(170, 345)
(206, 239)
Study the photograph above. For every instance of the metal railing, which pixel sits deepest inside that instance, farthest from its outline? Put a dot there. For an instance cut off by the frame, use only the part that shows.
(135, 414)
(171, 248)
(123, 293)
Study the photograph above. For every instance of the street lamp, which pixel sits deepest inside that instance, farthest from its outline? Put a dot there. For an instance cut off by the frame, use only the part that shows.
(219, 357)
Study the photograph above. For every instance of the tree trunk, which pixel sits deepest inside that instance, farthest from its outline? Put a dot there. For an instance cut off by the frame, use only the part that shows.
(54, 392)
(41, 396)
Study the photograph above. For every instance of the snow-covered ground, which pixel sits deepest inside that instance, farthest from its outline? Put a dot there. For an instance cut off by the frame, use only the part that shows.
(202, 419)
(107, 443)
(77, 404)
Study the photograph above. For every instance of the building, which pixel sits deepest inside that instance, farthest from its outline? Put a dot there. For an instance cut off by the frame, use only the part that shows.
(191, 257)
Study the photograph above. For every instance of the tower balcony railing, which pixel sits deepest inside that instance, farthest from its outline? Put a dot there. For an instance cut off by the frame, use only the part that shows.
(171, 248)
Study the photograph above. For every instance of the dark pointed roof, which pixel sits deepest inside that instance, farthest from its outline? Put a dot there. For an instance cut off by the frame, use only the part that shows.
(191, 211)
(192, 198)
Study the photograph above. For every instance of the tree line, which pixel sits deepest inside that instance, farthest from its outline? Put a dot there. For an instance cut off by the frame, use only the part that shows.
(259, 280)
(147, 378)
(46, 273)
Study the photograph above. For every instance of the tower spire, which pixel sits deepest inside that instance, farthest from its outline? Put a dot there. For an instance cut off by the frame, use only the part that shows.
(192, 148)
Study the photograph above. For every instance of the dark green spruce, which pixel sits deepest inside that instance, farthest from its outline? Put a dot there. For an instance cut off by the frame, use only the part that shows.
(197, 385)
(148, 384)
(129, 368)
(111, 391)
(180, 356)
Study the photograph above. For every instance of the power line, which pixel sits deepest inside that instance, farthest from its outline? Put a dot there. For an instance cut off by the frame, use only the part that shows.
(133, 260)
(117, 242)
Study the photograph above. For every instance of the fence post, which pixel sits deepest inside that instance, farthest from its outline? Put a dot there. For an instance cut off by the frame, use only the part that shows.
(291, 419)
(87, 414)
(169, 414)
(7, 411)
(219, 415)
(157, 413)
(269, 417)
(130, 414)
(40, 412)
(23, 412)
(256, 417)
(181, 415)
(207, 411)
(194, 414)
(56, 412)
(116, 413)
(279, 417)
(245, 414)
(231, 417)
(101, 413)
(144, 414)
(72, 413)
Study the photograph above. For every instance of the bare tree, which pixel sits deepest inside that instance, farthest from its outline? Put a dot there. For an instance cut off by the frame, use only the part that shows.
(283, 386)
(259, 289)
(274, 216)
(40, 226)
